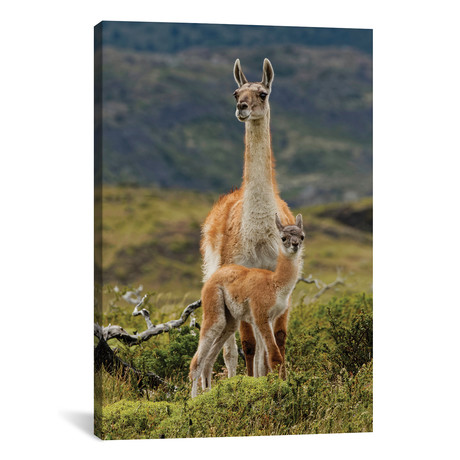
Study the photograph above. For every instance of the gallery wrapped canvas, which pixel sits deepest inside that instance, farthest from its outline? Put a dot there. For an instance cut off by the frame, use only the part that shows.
(233, 230)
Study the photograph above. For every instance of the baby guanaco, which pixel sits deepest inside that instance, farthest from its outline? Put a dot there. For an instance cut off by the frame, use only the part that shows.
(235, 293)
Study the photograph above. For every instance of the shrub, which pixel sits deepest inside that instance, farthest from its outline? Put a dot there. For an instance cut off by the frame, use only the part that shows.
(328, 387)
(353, 344)
(244, 406)
(133, 419)
(172, 361)
(331, 337)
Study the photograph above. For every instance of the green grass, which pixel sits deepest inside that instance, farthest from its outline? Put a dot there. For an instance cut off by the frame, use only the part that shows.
(328, 387)
(244, 406)
(151, 237)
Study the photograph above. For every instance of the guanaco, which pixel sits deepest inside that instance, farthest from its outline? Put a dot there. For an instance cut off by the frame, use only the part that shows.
(236, 293)
(240, 228)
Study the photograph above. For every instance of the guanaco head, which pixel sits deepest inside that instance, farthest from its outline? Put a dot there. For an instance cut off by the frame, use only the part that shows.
(292, 236)
(252, 98)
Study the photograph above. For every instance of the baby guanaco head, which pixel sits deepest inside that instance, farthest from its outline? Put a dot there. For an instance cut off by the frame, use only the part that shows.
(292, 236)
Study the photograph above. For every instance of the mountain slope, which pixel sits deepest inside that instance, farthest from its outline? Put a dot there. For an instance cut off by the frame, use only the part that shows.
(168, 119)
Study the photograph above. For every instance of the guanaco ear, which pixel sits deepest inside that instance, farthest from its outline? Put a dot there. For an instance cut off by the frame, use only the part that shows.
(298, 221)
(238, 74)
(278, 223)
(268, 74)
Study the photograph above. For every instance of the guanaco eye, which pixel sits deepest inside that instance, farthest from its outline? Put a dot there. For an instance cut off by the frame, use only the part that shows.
(283, 238)
(263, 96)
(302, 237)
(235, 94)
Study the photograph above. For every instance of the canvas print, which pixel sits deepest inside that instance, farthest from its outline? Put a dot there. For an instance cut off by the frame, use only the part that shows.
(233, 230)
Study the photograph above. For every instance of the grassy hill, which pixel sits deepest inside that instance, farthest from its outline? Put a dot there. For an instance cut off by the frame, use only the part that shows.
(151, 237)
(168, 114)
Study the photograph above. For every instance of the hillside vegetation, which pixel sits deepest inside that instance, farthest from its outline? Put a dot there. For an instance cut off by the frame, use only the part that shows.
(168, 116)
(174, 37)
(328, 387)
(151, 237)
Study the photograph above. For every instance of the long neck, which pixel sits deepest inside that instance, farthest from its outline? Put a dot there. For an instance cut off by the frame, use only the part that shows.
(258, 235)
(287, 270)
(259, 184)
(259, 174)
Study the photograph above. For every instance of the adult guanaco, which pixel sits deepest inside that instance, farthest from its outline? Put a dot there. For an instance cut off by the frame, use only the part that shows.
(240, 228)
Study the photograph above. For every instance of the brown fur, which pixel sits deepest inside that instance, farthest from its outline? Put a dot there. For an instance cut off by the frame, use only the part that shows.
(258, 296)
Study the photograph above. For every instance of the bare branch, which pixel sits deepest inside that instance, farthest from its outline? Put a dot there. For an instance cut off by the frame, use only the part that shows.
(117, 332)
(311, 280)
(193, 323)
(328, 286)
(321, 285)
(133, 297)
(105, 356)
(145, 313)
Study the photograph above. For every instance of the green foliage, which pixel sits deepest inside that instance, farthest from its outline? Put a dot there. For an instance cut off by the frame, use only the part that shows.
(132, 419)
(172, 361)
(328, 387)
(331, 337)
(353, 344)
(244, 406)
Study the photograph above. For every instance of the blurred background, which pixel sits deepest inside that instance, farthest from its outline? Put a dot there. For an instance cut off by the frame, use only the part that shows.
(171, 144)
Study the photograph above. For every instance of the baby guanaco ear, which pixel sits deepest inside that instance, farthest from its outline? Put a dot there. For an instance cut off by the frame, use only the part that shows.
(279, 225)
(298, 221)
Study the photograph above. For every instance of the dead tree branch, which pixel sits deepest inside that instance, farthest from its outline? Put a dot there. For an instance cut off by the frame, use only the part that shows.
(105, 356)
(321, 285)
(117, 332)
(328, 286)
(133, 297)
(311, 280)
(145, 313)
